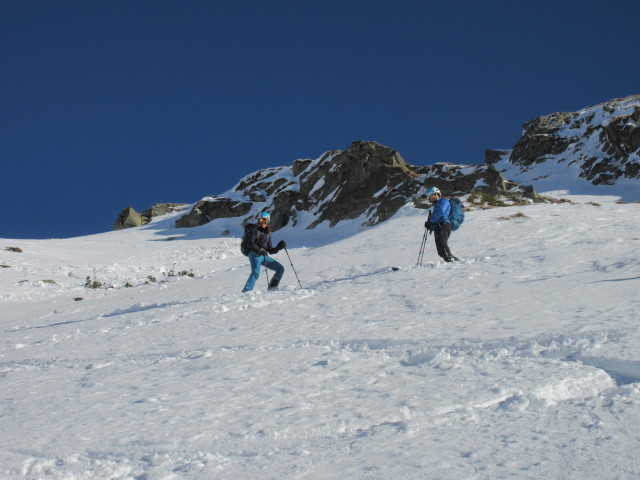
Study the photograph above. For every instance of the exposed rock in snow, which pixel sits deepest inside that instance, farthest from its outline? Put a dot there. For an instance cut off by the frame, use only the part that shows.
(599, 145)
(368, 181)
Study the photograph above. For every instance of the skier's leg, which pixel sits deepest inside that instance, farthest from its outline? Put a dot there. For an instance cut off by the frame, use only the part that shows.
(255, 262)
(447, 233)
(441, 234)
(276, 267)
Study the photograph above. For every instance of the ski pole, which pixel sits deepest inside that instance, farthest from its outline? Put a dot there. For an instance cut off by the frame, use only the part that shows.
(424, 241)
(266, 272)
(292, 267)
(422, 245)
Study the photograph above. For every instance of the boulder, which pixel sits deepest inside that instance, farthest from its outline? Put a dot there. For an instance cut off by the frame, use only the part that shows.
(128, 218)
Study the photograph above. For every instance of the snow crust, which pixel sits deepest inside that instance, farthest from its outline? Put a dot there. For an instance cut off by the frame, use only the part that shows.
(520, 361)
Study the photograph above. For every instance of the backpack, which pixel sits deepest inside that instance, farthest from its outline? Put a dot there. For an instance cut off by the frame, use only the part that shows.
(456, 215)
(244, 244)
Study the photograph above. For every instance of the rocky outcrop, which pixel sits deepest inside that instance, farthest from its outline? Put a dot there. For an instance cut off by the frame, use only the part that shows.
(602, 141)
(160, 209)
(368, 182)
(210, 208)
(129, 218)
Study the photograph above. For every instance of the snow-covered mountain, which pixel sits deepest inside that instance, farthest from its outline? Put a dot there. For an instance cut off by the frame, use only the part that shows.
(595, 150)
(366, 184)
(133, 355)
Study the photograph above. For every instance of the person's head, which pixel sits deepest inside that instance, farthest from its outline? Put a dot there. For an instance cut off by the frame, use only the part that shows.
(433, 194)
(263, 219)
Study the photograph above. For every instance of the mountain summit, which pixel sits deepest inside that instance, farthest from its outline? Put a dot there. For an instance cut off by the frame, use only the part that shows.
(597, 146)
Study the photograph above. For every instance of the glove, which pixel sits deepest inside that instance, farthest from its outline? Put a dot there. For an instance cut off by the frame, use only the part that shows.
(281, 244)
(262, 252)
(428, 225)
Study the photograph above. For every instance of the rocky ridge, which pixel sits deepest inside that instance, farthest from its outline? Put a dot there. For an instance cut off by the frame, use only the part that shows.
(368, 182)
(602, 143)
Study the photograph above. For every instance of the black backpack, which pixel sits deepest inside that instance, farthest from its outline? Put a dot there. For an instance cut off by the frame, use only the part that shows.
(244, 244)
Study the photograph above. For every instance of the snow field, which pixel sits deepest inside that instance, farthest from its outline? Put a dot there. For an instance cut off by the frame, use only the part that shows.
(519, 361)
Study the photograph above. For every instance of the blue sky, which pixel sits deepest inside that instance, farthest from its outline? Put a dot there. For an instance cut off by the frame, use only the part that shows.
(109, 104)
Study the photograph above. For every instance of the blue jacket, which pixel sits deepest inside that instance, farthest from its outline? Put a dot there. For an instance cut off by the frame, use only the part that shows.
(441, 211)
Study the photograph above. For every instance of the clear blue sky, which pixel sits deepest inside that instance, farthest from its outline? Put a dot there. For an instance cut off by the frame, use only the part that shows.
(105, 104)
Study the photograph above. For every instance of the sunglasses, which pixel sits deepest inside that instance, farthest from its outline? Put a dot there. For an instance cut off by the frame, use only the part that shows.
(264, 220)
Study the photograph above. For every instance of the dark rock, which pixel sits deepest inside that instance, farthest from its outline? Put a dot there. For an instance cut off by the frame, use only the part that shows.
(206, 210)
(160, 209)
(529, 192)
(494, 156)
(603, 141)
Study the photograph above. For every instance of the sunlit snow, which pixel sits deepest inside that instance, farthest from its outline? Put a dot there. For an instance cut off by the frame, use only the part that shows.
(520, 361)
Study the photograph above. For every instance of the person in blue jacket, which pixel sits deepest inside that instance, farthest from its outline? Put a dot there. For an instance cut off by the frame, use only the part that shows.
(259, 246)
(438, 223)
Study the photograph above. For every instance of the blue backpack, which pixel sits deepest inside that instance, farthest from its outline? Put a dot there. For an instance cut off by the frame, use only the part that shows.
(456, 215)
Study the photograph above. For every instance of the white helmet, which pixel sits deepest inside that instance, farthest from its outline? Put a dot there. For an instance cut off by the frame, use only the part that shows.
(433, 191)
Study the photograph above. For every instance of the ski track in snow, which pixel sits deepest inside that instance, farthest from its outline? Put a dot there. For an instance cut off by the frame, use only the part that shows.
(518, 361)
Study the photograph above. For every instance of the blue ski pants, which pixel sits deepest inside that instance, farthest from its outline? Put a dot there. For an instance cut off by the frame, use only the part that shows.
(257, 262)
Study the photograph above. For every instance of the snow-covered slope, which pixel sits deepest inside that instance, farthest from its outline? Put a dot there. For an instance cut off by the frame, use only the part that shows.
(520, 361)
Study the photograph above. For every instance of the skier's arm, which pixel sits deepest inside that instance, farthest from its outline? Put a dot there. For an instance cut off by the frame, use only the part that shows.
(440, 211)
(281, 244)
(270, 248)
(428, 225)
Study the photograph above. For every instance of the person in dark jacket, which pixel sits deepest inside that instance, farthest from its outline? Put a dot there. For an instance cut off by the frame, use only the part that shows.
(259, 245)
(438, 223)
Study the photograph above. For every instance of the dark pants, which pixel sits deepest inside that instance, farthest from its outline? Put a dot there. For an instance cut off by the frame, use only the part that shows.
(441, 234)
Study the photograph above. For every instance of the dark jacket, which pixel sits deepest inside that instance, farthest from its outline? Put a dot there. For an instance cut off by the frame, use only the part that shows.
(260, 239)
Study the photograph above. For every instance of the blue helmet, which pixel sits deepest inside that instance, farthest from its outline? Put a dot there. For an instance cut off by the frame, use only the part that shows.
(264, 216)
